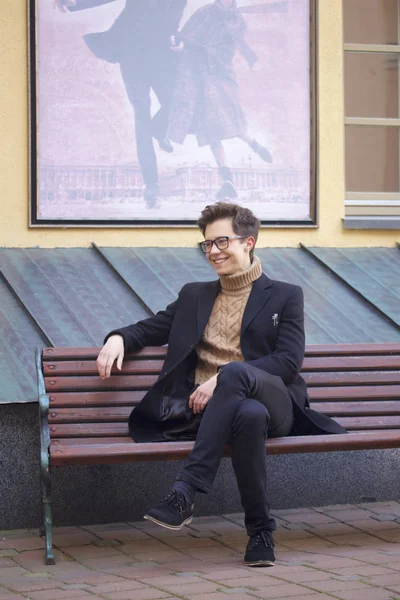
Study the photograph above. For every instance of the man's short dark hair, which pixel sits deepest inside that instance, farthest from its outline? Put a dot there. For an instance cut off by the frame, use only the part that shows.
(244, 222)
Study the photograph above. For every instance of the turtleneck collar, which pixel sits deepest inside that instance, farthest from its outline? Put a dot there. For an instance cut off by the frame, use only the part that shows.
(243, 279)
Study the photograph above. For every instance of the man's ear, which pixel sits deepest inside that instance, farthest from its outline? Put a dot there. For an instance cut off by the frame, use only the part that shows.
(250, 243)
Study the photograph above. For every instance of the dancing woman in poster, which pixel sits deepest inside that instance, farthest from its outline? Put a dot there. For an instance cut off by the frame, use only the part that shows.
(206, 96)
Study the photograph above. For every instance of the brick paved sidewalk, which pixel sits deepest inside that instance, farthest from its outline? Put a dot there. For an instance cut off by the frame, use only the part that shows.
(339, 552)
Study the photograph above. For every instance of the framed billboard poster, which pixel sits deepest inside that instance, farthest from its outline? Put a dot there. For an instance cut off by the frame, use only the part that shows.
(144, 111)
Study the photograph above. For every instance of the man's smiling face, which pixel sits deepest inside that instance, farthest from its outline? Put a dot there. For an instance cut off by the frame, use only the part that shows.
(235, 258)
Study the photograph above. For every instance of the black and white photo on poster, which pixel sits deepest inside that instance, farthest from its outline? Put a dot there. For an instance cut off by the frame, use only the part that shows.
(149, 109)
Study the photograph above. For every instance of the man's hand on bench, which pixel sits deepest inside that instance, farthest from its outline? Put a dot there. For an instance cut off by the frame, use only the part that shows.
(113, 350)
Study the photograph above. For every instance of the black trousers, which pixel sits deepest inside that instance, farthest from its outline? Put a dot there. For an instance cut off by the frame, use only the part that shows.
(152, 71)
(247, 405)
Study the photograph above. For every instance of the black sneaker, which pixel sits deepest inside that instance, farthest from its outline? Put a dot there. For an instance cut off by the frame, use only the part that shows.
(173, 512)
(260, 550)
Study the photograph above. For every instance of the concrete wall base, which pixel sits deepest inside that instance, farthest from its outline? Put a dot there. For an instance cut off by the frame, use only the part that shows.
(113, 493)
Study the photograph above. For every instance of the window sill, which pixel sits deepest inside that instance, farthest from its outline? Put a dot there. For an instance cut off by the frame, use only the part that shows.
(375, 222)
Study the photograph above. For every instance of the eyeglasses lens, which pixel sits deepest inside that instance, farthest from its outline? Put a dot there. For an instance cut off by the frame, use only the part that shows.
(221, 243)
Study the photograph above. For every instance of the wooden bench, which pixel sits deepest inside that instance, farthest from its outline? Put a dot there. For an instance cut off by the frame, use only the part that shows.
(83, 419)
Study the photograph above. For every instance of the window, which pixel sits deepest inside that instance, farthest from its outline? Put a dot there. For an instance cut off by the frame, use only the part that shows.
(371, 33)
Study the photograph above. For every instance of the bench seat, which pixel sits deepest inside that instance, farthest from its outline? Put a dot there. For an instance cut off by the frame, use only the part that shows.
(123, 449)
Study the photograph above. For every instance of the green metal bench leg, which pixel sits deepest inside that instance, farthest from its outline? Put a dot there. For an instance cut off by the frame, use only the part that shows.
(47, 518)
(44, 404)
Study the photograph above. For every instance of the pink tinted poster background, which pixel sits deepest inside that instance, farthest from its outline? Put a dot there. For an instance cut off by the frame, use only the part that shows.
(88, 167)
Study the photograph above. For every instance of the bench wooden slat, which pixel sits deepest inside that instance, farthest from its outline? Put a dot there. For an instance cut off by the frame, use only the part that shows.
(120, 428)
(142, 382)
(360, 393)
(351, 363)
(87, 367)
(130, 398)
(376, 422)
(88, 430)
(90, 415)
(92, 353)
(353, 349)
(93, 440)
(352, 378)
(130, 382)
(87, 399)
(160, 351)
(121, 413)
(364, 408)
(115, 452)
(133, 365)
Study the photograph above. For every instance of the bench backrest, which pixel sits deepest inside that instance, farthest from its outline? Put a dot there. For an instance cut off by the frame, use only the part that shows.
(357, 384)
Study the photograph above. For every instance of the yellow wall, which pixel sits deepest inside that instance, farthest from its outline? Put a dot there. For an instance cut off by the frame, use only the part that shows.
(14, 229)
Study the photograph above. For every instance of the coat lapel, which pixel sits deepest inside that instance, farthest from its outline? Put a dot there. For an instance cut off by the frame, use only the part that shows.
(259, 295)
(206, 301)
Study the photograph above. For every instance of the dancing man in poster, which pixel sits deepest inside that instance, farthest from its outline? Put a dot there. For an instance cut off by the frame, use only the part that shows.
(140, 41)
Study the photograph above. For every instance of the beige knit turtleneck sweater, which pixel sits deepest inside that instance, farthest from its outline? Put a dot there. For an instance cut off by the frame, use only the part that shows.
(220, 343)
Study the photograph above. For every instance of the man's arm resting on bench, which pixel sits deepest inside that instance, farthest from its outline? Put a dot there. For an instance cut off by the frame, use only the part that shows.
(153, 331)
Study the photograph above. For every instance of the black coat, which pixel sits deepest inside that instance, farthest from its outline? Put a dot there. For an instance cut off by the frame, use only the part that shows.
(272, 339)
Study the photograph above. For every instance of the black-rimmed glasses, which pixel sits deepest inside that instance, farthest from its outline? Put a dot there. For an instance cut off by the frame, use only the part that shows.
(221, 242)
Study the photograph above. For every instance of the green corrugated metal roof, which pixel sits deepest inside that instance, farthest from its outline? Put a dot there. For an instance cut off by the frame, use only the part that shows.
(73, 297)
(373, 274)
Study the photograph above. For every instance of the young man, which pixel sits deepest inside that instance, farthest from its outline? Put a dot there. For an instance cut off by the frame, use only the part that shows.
(231, 375)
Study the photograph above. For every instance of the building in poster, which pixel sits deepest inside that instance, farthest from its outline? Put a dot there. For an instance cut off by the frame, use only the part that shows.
(117, 187)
